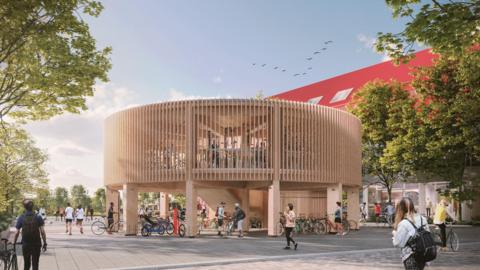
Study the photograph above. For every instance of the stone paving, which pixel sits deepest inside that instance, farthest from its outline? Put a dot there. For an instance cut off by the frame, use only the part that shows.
(369, 248)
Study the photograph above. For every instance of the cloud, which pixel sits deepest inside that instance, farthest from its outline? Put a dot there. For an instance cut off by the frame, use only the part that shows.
(175, 95)
(217, 79)
(74, 142)
(69, 148)
(369, 43)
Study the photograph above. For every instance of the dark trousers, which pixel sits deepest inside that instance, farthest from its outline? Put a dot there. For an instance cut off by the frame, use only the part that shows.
(412, 264)
(31, 256)
(288, 232)
(443, 234)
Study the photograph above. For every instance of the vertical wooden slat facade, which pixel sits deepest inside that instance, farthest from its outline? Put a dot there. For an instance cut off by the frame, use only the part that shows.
(232, 140)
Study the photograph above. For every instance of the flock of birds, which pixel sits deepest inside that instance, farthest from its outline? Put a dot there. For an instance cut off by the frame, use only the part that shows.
(310, 58)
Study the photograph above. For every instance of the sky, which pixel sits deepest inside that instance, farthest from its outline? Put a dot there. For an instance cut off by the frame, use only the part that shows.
(184, 49)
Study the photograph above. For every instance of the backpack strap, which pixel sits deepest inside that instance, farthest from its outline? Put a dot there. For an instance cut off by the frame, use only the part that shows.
(415, 227)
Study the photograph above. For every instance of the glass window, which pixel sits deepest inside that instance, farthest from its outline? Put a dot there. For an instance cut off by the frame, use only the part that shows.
(341, 95)
(315, 100)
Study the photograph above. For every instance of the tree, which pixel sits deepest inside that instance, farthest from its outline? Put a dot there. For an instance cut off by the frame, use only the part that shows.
(79, 196)
(99, 200)
(21, 167)
(450, 28)
(449, 111)
(44, 199)
(49, 62)
(380, 106)
(61, 197)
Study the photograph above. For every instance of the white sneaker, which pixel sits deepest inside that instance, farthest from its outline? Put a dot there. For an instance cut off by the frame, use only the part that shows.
(344, 233)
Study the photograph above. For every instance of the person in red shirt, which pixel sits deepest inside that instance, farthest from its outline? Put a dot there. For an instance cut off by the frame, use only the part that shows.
(378, 211)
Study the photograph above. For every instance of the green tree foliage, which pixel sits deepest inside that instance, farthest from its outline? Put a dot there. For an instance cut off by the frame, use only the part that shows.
(449, 112)
(99, 200)
(380, 106)
(79, 196)
(61, 197)
(21, 167)
(44, 199)
(48, 59)
(449, 27)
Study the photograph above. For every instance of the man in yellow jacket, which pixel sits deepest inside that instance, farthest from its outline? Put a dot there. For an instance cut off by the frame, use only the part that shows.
(441, 213)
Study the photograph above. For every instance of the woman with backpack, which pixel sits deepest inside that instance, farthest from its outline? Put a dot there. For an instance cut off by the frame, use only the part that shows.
(407, 225)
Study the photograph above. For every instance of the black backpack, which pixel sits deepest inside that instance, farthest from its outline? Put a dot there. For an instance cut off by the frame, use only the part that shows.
(30, 229)
(422, 243)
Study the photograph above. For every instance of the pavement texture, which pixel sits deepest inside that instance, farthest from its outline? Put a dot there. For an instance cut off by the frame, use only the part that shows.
(369, 248)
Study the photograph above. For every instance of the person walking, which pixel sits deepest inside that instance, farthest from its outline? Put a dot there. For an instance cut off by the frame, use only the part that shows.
(79, 215)
(378, 211)
(33, 233)
(239, 216)
(220, 216)
(68, 219)
(62, 213)
(110, 218)
(429, 208)
(91, 213)
(289, 225)
(363, 211)
(390, 212)
(441, 213)
(338, 219)
(404, 230)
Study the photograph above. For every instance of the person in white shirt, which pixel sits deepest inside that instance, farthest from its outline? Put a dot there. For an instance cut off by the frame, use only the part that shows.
(79, 214)
(404, 231)
(220, 216)
(68, 219)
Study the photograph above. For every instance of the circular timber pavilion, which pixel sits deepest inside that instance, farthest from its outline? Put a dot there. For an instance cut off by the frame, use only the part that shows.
(262, 154)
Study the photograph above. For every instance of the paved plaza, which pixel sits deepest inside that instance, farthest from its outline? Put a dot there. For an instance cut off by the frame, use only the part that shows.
(369, 248)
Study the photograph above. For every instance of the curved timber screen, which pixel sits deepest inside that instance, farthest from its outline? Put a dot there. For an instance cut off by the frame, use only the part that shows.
(232, 140)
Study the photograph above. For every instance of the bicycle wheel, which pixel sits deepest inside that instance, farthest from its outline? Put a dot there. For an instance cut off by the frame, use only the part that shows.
(181, 230)
(353, 224)
(161, 229)
(280, 229)
(146, 230)
(168, 228)
(453, 241)
(13, 262)
(98, 227)
(320, 228)
(346, 227)
(328, 228)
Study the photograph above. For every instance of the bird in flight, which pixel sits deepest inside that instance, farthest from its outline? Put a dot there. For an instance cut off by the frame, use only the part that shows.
(275, 68)
(254, 64)
(328, 41)
(304, 73)
(323, 49)
(317, 52)
(264, 65)
(283, 70)
(310, 68)
(297, 74)
(309, 58)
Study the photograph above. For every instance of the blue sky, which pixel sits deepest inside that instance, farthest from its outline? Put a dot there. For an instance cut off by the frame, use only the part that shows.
(166, 50)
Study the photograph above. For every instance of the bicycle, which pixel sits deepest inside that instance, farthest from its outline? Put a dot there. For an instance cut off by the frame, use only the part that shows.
(281, 225)
(99, 227)
(8, 256)
(328, 225)
(452, 238)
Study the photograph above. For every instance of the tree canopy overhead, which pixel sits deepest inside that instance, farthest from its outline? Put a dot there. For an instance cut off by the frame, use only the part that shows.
(49, 61)
(449, 27)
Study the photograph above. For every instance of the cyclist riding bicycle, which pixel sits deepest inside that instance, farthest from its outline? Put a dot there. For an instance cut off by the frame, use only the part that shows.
(441, 213)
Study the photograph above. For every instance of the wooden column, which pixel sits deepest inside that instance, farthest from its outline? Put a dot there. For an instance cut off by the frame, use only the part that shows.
(353, 203)
(164, 205)
(422, 199)
(191, 211)
(245, 205)
(130, 208)
(274, 189)
(112, 195)
(334, 195)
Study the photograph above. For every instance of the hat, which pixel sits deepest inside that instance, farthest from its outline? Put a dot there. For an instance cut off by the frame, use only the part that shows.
(222, 203)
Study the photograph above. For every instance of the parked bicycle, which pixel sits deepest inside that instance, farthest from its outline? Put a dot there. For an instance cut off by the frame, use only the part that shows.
(99, 227)
(329, 226)
(8, 256)
(453, 243)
